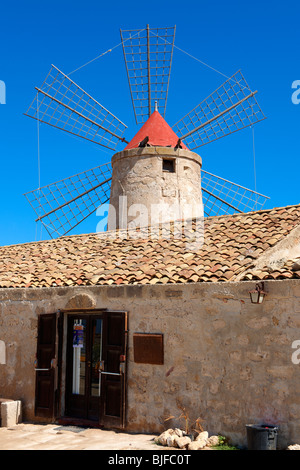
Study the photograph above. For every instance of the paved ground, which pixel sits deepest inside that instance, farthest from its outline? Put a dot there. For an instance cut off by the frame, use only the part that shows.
(55, 437)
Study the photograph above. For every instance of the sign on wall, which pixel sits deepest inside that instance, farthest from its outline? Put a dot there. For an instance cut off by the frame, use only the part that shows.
(148, 348)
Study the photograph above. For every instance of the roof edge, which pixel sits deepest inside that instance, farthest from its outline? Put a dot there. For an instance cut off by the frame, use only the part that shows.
(241, 214)
(286, 249)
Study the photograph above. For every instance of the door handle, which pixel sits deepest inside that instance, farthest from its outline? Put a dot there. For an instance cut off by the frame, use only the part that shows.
(109, 373)
(52, 365)
(102, 371)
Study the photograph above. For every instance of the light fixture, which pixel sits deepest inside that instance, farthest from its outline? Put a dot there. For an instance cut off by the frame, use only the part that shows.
(258, 294)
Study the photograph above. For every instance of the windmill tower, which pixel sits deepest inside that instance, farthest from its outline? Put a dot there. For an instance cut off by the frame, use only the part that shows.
(155, 178)
(158, 166)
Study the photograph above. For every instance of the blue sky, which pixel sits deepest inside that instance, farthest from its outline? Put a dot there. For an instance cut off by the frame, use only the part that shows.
(259, 37)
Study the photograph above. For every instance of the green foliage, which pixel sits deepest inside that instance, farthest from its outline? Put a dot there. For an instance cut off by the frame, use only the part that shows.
(223, 444)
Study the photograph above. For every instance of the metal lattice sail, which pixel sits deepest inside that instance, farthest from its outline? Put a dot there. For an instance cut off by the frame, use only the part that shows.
(221, 196)
(63, 104)
(61, 206)
(230, 108)
(148, 55)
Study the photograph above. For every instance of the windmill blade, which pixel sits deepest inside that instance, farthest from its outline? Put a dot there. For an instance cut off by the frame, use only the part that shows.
(221, 196)
(61, 206)
(148, 58)
(230, 108)
(61, 103)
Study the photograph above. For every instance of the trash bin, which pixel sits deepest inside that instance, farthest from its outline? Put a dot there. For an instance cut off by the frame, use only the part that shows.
(262, 437)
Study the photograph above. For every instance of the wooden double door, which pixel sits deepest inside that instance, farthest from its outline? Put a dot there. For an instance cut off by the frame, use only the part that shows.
(95, 368)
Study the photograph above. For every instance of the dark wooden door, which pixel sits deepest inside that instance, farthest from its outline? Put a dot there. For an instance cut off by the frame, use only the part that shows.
(46, 362)
(95, 384)
(113, 373)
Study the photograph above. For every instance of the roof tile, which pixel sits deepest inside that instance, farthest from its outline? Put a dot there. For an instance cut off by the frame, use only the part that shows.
(231, 246)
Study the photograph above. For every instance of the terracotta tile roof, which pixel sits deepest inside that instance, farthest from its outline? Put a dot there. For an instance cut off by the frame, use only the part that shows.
(289, 270)
(232, 245)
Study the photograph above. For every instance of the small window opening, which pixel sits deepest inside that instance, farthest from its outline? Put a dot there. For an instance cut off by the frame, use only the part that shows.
(169, 165)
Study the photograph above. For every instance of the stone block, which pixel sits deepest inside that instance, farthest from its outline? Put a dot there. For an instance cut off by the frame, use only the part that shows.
(134, 291)
(115, 292)
(182, 442)
(81, 301)
(175, 293)
(11, 413)
(2, 400)
(197, 445)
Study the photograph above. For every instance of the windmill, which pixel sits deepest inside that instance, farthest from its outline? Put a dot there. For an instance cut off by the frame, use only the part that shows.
(61, 103)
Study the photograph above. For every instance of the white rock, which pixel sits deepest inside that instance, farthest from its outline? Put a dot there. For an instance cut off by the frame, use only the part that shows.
(171, 440)
(202, 435)
(178, 432)
(182, 442)
(202, 443)
(213, 441)
(294, 447)
(197, 445)
(162, 439)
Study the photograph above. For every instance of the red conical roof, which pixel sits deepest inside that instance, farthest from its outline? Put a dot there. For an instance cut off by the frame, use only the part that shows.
(158, 131)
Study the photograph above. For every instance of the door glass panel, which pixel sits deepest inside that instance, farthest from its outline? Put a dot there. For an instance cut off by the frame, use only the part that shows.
(79, 357)
(96, 357)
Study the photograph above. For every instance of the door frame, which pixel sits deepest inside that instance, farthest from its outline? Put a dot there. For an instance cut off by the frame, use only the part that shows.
(47, 365)
(62, 363)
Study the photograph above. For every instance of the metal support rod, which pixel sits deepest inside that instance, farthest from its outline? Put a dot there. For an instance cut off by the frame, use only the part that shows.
(69, 132)
(222, 200)
(74, 199)
(81, 115)
(230, 182)
(219, 115)
(77, 86)
(149, 76)
(169, 71)
(128, 77)
(67, 231)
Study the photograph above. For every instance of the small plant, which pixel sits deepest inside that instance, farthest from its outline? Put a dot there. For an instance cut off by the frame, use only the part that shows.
(223, 444)
(222, 440)
(198, 425)
(185, 416)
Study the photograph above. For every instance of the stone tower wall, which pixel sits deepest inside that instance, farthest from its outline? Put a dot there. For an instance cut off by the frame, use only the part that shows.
(139, 178)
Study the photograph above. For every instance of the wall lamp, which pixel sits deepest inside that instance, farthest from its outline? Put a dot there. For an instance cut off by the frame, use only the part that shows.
(258, 294)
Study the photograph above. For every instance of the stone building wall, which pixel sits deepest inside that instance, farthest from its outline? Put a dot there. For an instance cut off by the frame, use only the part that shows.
(228, 361)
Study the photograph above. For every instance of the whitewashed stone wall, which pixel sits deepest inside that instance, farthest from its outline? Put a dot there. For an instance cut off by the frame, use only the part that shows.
(149, 194)
(229, 362)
